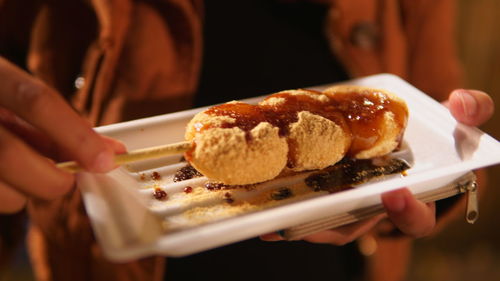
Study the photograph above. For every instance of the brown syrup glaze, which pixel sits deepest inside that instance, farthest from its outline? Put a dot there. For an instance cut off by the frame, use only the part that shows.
(285, 113)
(185, 173)
(349, 172)
(282, 193)
(156, 176)
(246, 116)
(215, 186)
(360, 113)
(364, 112)
(212, 186)
(228, 198)
(160, 194)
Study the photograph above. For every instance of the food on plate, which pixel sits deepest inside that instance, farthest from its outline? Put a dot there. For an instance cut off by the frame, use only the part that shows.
(377, 118)
(238, 143)
(317, 136)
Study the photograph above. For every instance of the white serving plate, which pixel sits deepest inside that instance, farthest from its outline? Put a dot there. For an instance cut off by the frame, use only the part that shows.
(129, 223)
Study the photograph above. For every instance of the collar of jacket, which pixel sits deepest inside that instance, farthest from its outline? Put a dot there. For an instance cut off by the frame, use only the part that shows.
(139, 59)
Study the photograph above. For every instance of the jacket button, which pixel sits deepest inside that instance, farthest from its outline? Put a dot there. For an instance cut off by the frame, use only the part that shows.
(79, 82)
(365, 35)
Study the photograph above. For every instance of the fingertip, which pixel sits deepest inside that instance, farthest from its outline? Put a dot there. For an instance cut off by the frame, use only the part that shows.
(463, 106)
(115, 145)
(411, 216)
(395, 201)
(471, 107)
(454, 104)
(105, 150)
(271, 237)
(103, 162)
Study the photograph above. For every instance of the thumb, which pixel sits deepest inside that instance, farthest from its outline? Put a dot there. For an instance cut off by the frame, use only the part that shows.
(470, 107)
(411, 216)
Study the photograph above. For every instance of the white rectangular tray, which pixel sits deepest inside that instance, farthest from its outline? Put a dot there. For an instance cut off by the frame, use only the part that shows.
(129, 223)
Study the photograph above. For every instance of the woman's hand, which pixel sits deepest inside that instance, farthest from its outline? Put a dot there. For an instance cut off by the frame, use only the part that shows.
(37, 127)
(470, 107)
(411, 216)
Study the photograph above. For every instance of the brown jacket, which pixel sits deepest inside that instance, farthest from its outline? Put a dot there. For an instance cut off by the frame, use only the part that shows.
(131, 56)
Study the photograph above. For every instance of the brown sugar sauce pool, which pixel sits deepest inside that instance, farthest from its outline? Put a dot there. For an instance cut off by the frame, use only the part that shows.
(360, 113)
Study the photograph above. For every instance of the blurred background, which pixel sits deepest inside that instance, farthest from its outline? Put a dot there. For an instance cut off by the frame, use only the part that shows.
(471, 252)
(461, 252)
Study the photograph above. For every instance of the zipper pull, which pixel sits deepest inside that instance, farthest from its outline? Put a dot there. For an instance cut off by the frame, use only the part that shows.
(472, 209)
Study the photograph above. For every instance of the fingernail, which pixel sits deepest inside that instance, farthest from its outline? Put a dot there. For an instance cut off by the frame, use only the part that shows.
(104, 162)
(273, 237)
(395, 202)
(469, 103)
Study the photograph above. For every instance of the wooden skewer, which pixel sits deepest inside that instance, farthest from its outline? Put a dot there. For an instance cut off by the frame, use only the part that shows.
(136, 155)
